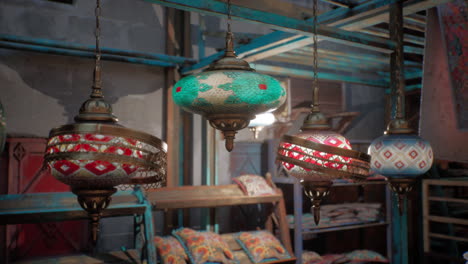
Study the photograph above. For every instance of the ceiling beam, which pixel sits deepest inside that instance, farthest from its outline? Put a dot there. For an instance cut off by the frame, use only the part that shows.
(279, 42)
(384, 33)
(369, 14)
(291, 72)
(281, 22)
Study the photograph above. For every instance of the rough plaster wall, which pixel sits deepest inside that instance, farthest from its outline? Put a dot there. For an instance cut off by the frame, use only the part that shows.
(438, 122)
(44, 91)
(41, 91)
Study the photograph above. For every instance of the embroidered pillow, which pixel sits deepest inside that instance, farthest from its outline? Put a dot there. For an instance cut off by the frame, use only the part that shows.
(358, 256)
(262, 246)
(311, 257)
(170, 250)
(254, 185)
(203, 247)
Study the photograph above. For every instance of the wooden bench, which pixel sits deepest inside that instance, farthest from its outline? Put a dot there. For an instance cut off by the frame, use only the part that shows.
(185, 197)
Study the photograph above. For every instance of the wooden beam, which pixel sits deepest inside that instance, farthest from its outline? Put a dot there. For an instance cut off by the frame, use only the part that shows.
(384, 33)
(340, 3)
(381, 15)
(205, 197)
(281, 22)
(278, 42)
(290, 72)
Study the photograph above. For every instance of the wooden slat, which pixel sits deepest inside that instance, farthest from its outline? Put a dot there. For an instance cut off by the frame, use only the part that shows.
(448, 199)
(448, 220)
(461, 239)
(456, 182)
(204, 197)
(426, 228)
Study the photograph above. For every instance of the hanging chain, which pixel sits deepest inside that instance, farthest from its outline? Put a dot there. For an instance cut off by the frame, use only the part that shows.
(315, 103)
(229, 36)
(229, 15)
(97, 92)
(399, 63)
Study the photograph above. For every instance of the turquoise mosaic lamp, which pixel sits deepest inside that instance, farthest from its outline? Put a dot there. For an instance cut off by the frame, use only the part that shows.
(229, 93)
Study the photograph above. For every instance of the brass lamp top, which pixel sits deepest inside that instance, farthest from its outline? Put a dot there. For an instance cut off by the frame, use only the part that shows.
(315, 120)
(398, 126)
(96, 109)
(230, 61)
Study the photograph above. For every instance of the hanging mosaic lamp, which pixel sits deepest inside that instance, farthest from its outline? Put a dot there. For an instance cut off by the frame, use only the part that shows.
(399, 154)
(96, 154)
(229, 93)
(318, 155)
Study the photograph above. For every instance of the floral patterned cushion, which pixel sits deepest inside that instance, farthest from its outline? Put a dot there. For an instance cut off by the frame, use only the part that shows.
(310, 257)
(204, 247)
(170, 250)
(358, 256)
(262, 246)
(254, 185)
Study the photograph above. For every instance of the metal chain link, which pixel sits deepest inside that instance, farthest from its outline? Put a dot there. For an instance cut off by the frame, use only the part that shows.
(399, 63)
(315, 59)
(97, 92)
(229, 15)
(97, 31)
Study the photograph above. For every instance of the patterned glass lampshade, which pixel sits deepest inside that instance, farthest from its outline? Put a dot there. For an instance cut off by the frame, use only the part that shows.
(95, 154)
(317, 156)
(229, 94)
(103, 156)
(402, 158)
(400, 155)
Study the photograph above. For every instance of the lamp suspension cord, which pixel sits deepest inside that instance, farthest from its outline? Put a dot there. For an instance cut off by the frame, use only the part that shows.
(315, 99)
(229, 15)
(229, 36)
(97, 84)
(399, 60)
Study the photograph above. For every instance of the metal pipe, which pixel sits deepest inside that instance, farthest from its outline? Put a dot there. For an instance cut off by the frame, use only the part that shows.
(109, 52)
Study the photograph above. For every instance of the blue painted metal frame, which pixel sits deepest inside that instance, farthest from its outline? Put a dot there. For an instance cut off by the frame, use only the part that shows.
(279, 38)
(87, 51)
(400, 232)
(280, 22)
(149, 252)
(286, 71)
(51, 204)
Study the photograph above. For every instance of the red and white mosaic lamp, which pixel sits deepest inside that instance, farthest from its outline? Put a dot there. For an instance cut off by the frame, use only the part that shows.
(95, 154)
(317, 155)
